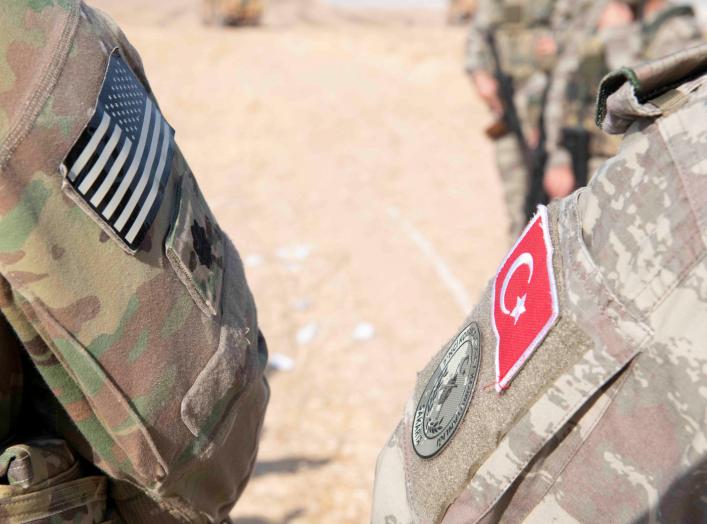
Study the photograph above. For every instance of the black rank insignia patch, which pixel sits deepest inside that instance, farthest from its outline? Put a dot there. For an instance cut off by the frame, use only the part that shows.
(121, 163)
(446, 397)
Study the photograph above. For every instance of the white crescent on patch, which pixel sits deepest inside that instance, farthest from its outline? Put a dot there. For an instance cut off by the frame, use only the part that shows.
(524, 259)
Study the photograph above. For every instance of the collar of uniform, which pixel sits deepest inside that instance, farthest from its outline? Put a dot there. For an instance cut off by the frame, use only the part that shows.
(623, 93)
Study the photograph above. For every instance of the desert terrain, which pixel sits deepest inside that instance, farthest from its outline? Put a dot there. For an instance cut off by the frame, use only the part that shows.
(343, 153)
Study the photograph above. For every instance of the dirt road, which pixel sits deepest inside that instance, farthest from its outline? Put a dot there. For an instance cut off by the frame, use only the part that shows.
(344, 156)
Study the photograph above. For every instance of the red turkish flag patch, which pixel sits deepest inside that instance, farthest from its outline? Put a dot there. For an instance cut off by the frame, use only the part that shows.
(524, 299)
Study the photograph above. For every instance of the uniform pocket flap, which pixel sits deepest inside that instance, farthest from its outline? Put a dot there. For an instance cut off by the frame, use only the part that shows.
(195, 248)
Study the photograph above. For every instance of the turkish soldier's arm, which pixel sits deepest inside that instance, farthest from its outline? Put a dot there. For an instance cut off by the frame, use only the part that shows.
(676, 29)
(577, 32)
(478, 54)
(128, 298)
(620, 365)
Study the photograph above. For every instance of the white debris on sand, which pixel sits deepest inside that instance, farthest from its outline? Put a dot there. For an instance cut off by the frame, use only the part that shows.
(294, 253)
(307, 333)
(253, 260)
(363, 332)
(280, 362)
(302, 304)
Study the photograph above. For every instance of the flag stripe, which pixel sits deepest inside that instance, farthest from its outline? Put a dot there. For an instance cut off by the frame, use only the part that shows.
(156, 182)
(90, 147)
(145, 184)
(97, 168)
(128, 178)
(121, 163)
(140, 188)
(107, 182)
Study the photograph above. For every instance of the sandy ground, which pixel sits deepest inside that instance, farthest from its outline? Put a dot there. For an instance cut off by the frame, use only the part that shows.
(343, 153)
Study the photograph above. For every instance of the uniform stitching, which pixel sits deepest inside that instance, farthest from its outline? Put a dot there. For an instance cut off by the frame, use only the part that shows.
(535, 449)
(604, 290)
(692, 154)
(582, 442)
(696, 234)
(44, 334)
(656, 274)
(679, 280)
(50, 76)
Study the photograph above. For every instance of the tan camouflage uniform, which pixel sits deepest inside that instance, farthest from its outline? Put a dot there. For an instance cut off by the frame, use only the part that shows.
(606, 422)
(519, 24)
(590, 55)
(139, 372)
(461, 11)
(233, 12)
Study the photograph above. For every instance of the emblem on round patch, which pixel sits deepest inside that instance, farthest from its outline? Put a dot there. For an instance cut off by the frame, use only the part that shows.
(447, 395)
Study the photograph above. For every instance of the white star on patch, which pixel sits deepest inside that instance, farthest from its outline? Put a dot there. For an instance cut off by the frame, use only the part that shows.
(519, 309)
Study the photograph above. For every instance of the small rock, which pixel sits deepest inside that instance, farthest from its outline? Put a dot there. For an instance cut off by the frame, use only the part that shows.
(280, 362)
(302, 304)
(307, 333)
(298, 252)
(363, 332)
(253, 261)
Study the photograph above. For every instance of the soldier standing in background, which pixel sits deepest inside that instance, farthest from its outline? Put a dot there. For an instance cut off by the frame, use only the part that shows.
(605, 36)
(461, 11)
(233, 12)
(131, 363)
(527, 45)
(593, 334)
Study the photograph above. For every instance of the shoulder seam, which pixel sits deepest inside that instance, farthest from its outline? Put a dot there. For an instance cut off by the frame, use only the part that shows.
(34, 103)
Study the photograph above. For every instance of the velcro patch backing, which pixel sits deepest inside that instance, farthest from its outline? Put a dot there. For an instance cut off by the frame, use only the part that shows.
(121, 163)
(525, 304)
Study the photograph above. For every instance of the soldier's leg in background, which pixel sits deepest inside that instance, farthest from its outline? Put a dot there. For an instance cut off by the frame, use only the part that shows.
(515, 182)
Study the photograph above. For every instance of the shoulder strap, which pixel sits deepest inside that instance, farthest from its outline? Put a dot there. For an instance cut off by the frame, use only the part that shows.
(649, 29)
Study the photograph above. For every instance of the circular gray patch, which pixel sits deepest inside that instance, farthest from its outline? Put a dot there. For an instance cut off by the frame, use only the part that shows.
(446, 397)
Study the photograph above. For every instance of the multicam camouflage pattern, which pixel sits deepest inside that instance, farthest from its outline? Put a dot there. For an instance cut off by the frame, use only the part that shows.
(151, 381)
(591, 55)
(44, 483)
(606, 421)
(197, 240)
(233, 12)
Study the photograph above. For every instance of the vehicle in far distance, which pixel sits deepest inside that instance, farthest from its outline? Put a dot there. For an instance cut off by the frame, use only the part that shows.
(233, 12)
(461, 12)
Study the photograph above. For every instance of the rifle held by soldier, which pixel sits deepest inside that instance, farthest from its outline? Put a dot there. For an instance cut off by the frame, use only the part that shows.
(533, 158)
(576, 141)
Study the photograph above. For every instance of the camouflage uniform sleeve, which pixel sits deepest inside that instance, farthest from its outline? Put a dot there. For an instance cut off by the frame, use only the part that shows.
(622, 364)
(478, 55)
(577, 31)
(126, 295)
(674, 29)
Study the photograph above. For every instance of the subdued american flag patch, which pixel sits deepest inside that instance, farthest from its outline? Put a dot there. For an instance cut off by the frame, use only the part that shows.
(120, 164)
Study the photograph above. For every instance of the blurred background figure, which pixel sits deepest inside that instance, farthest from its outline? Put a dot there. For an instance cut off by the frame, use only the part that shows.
(511, 50)
(461, 11)
(605, 35)
(551, 57)
(233, 12)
